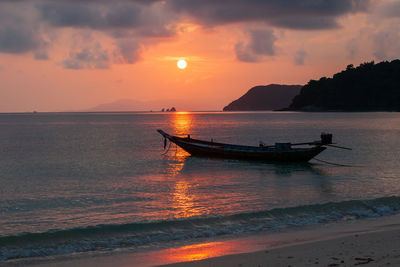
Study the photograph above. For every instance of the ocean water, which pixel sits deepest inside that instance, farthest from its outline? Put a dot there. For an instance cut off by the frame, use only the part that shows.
(79, 182)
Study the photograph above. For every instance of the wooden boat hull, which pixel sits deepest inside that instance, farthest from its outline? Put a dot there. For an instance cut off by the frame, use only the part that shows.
(221, 150)
(294, 155)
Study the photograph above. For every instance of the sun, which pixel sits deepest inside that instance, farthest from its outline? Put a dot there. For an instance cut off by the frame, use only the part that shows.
(182, 64)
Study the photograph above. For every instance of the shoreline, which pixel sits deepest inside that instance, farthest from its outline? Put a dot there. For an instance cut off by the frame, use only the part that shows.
(373, 241)
(378, 248)
(319, 245)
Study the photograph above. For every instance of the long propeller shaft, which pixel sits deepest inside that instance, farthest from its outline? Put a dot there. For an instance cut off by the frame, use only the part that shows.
(341, 147)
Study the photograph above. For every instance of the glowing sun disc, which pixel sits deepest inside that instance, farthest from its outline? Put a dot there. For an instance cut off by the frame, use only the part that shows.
(181, 64)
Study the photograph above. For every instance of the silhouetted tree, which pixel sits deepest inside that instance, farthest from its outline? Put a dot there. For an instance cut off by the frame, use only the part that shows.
(367, 87)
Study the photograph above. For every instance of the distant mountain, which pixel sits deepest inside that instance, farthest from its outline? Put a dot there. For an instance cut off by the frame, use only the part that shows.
(368, 87)
(265, 97)
(122, 105)
(199, 103)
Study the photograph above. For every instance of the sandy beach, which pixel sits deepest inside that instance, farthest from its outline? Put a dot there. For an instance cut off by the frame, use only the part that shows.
(374, 241)
(381, 248)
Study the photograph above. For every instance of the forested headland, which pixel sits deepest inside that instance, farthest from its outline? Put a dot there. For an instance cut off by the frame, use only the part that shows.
(368, 87)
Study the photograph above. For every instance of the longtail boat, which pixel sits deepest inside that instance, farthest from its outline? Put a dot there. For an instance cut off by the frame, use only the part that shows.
(280, 152)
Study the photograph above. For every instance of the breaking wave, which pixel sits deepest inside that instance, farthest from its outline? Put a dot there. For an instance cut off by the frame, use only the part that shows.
(113, 236)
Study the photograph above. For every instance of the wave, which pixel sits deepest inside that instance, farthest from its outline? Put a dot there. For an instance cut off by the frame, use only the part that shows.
(113, 236)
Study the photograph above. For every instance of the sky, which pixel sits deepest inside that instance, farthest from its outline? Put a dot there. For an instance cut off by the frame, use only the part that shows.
(72, 55)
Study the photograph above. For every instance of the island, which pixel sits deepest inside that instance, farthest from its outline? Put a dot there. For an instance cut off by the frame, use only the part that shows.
(368, 87)
(265, 97)
(173, 109)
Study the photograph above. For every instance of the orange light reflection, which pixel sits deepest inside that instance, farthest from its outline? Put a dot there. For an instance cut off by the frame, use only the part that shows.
(181, 122)
(184, 200)
(198, 251)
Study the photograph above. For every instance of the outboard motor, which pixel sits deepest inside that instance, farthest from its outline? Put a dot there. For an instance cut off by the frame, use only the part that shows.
(326, 138)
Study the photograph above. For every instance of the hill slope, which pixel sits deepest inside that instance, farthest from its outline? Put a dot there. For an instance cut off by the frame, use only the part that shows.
(268, 97)
(368, 87)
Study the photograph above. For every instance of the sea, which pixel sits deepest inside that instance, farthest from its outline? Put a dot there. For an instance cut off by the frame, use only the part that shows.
(85, 182)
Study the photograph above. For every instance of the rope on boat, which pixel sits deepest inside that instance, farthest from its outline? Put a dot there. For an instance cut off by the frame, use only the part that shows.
(331, 163)
(166, 151)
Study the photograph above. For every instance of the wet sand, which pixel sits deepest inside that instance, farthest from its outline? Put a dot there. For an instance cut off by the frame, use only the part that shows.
(372, 249)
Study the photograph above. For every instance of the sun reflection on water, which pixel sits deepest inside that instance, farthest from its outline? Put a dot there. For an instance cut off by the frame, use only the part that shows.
(183, 200)
(182, 122)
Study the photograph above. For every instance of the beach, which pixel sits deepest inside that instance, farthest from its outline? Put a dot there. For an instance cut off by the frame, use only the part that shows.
(374, 249)
(378, 246)
(372, 241)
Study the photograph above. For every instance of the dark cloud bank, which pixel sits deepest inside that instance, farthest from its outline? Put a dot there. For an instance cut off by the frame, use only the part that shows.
(134, 22)
(292, 14)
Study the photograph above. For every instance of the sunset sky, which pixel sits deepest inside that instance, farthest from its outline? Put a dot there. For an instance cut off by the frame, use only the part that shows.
(66, 55)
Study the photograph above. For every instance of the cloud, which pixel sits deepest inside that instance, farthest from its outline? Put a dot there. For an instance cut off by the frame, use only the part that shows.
(244, 54)
(41, 55)
(94, 57)
(386, 43)
(390, 10)
(74, 14)
(24, 25)
(261, 44)
(291, 14)
(93, 15)
(380, 42)
(123, 20)
(352, 47)
(118, 18)
(107, 15)
(300, 57)
(19, 29)
(380, 35)
(300, 22)
(129, 51)
(16, 39)
(133, 24)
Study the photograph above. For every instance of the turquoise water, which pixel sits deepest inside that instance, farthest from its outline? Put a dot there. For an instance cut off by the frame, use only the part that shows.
(93, 181)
